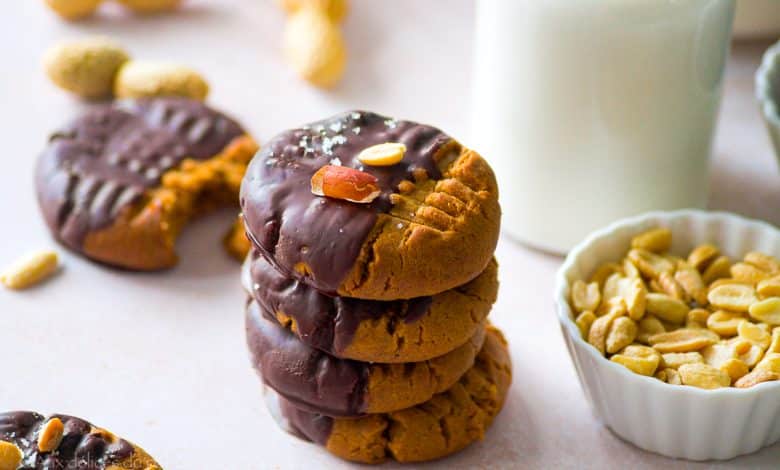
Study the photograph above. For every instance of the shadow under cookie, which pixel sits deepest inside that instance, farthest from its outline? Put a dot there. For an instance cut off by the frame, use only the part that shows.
(376, 331)
(441, 426)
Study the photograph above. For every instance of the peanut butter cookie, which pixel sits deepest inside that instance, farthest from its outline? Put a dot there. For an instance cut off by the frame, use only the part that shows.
(431, 225)
(441, 426)
(369, 330)
(119, 183)
(340, 387)
(35, 442)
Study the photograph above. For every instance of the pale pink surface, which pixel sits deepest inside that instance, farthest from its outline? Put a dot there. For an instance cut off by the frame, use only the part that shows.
(160, 358)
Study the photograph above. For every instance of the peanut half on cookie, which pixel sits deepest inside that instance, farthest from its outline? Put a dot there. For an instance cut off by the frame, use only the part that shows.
(30, 441)
(119, 183)
(413, 218)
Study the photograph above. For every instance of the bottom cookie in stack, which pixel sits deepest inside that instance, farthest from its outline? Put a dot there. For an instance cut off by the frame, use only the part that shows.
(443, 425)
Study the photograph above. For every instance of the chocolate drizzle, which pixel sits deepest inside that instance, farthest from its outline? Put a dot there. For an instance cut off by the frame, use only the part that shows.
(324, 322)
(303, 374)
(81, 447)
(105, 160)
(292, 226)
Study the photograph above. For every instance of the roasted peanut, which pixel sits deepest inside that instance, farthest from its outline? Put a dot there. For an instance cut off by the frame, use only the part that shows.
(767, 311)
(657, 240)
(666, 308)
(718, 354)
(387, 154)
(649, 326)
(672, 288)
(763, 262)
(675, 360)
(650, 264)
(673, 377)
(702, 256)
(597, 336)
(314, 45)
(630, 270)
(345, 183)
(733, 297)
(335, 9)
(683, 340)
(735, 368)
(770, 362)
(30, 270)
(10, 456)
(584, 321)
(622, 332)
(753, 333)
(774, 346)
(639, 359)
(697, 318)
(724, 323)
(50, 435)
(691, 281)
(718, 269)
(585, 296)
(769, 287)
(756, 377)
(703, 376)
(139, 79)
(603, 272)
(85, 67)
(747, 273)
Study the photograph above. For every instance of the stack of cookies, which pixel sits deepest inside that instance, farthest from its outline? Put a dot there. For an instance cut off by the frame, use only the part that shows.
(370, 280)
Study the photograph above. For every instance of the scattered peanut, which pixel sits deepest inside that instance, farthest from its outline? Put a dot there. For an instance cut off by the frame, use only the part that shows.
(345, 183)
(30, 270)
(703, 376)
(335, 9)
(700, 321)
(85, 67)
(74, 9)
(137, 79)
(313, 44)
(10, 456)
(386, 154)
(50, 435)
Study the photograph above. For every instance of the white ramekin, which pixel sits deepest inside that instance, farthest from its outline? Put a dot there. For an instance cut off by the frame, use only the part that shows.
(672, 420)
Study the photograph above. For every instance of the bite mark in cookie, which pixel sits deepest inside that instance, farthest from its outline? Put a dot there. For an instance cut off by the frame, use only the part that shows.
(119, 183)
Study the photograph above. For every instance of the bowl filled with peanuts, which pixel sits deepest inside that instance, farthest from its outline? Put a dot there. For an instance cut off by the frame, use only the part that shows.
(672, 320)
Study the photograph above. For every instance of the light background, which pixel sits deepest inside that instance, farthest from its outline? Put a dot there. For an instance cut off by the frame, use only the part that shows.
(160, 358)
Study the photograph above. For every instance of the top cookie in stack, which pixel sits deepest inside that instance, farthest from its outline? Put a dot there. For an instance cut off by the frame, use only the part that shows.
(370, 281)
(433, 225)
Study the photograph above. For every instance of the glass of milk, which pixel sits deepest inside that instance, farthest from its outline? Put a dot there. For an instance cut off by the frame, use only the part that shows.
(594, 110)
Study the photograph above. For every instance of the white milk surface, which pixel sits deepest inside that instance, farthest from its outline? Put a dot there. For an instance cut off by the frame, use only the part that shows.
(593, 110)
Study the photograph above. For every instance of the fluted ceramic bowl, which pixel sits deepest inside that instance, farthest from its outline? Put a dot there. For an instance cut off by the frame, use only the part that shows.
(672, 420)
(768, 93)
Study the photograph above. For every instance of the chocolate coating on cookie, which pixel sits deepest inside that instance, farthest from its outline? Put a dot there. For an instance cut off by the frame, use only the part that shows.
(327, 323)
(106, 159)
(295, 228)
(81, 447)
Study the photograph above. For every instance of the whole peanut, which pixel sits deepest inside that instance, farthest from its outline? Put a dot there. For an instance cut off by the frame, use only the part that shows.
(85, 67)
(74, 9)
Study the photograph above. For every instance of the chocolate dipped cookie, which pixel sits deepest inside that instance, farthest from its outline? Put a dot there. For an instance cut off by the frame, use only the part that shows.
(398, 331)
(325, 384)
(441, 426)
(119, 183)
(31, 441)
(425, 224)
